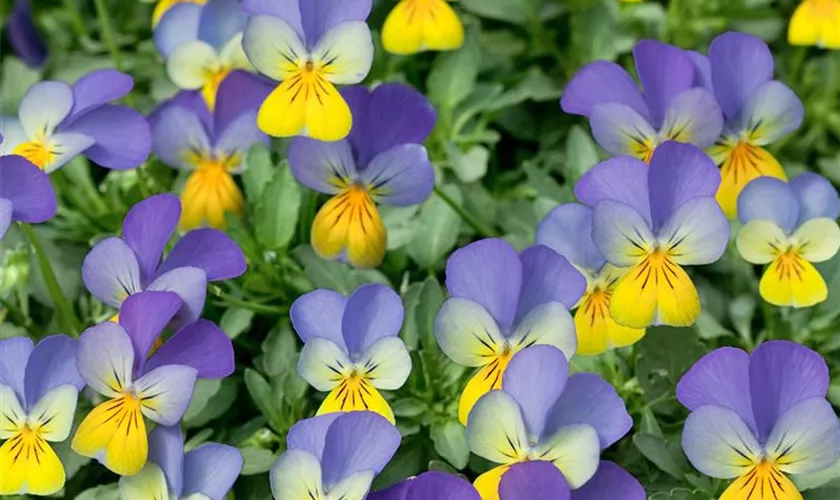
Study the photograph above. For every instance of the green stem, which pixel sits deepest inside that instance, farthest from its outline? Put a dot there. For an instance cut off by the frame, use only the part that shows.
(469, 219)
(21, 319)
(142, 179)
(257, 308)
(108, 32)
(76, 19)
(68, 320)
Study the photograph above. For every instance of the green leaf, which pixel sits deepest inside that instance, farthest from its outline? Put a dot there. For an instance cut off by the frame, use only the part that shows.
(333, 274)
(470, 166)
(511, 11)
(451, 443)
(581, 153)
(428, 305)
(454, 74)
(275, 218)
(665, 353)
(259, 171)
(256, 460)
(235, 321)
(280, 349)
(438, 232)
(214, 405)
(16, 80)
(667, 456)
(263, 397)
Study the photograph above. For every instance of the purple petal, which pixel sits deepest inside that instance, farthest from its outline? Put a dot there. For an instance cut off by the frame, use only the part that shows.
(166, 392)
(310, 434)
(287, 10)
(190, 99)
(390, 115)
(147, 228)
(28, 188)
(123, 137)
(430, 485)
(783, 373)
(240, 92)
(220, 21)
(678, 173)
(372, 312)
(620, 130)
(51, 364)
(14, 354)
(358, 441)
(318, 314)
(546, 364)
(548, 277)
(144, 316)
(400, 490)
(568, 231)
(211, 470)
(588, 399)
(535, 480)
(719, 378)
(178, 26)
(105, 358)
(618, 179)
(401, 176)
(178, 134)
(5, 216)
(166, 450)
(772, 112)
(702, 70)
(208, 249)
(201, 345)
(319, 17)
(110, 272)
(816, 195)
(611, 481)
(489, 273)
(665, 72)
(771, 199)
(694, 117)
(99, 87)
(740, 65)
(24, 36)
(190, 283)
(601, 82)
(240, 134)
(322, 166)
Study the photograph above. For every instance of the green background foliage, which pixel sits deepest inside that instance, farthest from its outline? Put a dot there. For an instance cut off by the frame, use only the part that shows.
(504, 154)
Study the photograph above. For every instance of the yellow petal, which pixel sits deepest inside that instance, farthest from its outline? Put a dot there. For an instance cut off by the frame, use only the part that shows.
(596, 330)
(743, 163)
(38, 152)
(416, 25)
(209, 193)
(816, 22)
(762, 482)
(356, 394)
(790, 280)
(114, 432)
(350, 222)
(486, 379)
(306, 104)
(29, 465)
(487, 484)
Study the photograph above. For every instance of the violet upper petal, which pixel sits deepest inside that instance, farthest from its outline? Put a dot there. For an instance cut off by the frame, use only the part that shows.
(122, 136)
(14, 354)
(534, 480)
(166, 450)
(740, 64)
(147, 228)
(201, 345)
(25, 38)
(601, 82)
(318, 314)
(665, 72)
(547, 277)
(611, 481)
(177, 27)
(358, 441)
(211, 469)
(618, 179)
(568, 231)
(208, 249)
(144, 316)
(97, 88)
(545, 364)
(220, 20)
(372, 312)
(51, 364)
(319, 17)
(817, 197)
(111, 272)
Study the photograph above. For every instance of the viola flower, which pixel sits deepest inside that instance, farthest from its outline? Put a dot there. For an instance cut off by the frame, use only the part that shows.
(500, 303)
(382, 160)
(117, 268)
(24, 36)
(564, 419)
(429, 485)
(417, 25)
(207, 472)
(309, 47)
(758, 112)
(58, 121)
(757, 419)
(213, 145)
(352, 347)
(39, 387)
(789, 226)
(333, 456)
(655, 221)
(627, 120)
(568, 231)
(163, 7)
(202, 44)
(816, 22)
(116, 360)
(26, 194)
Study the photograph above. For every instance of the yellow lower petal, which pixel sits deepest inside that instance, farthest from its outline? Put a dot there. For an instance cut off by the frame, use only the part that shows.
(762, 482)
(816, 22)
(349, 222)
(417, 25)
(596, 330)
(29, 465)
(486, 379)
(356, 394)
(743, 163)
(164, 5)
(306, 104)
(487, 484)
(791, 280)
(209, 193)
(114, 432)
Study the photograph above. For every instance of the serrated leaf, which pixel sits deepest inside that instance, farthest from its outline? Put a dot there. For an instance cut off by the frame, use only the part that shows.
(276, 216)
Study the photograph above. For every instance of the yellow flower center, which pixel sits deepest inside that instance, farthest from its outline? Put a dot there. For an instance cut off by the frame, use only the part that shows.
(596, 305)
(38, 151)
(213, 78)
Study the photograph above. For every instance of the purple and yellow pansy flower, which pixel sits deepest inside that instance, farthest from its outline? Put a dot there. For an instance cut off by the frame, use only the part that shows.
(759, 418)
(205, 473)
(541, 413)
(309, 47)
(568, 231)
(655, 220)
(816, 22)
(25, 38)
(417, 25)
(334, 456)
(789, 226)
(26, 194)
(57, 122)
(117, 360)
(352, 347)
(627, 120)
(202, 44)
(39, 388)
(212, 145)
(500, 303)
(117, 268)
(163, 6)
(382, 160)
(758, 112)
